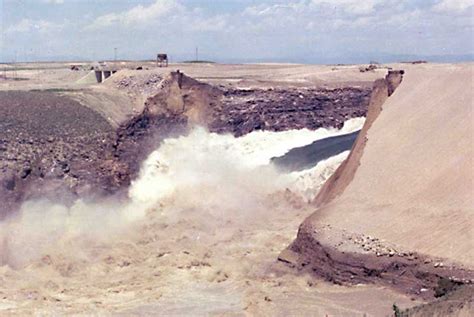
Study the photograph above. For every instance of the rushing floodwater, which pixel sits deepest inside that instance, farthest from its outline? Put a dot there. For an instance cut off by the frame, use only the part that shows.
(202, 159)
(204, 223)
(201, 170)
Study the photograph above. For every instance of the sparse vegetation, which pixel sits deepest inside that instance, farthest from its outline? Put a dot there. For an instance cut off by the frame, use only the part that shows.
(55, 90)
(369, 68)
(14, 78)
(456, 301)
(446, 286)
(396, 311)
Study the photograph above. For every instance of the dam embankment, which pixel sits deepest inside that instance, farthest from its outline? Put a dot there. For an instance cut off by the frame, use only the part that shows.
(399, 209)
(65, 144)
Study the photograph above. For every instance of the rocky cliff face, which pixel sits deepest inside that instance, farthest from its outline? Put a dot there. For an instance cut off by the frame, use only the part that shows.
(245, 110)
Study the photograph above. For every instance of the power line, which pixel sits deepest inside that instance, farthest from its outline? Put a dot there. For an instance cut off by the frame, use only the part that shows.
(2, 40)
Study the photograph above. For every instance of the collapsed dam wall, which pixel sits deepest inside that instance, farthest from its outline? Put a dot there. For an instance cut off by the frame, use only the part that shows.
(419, 155)
(183, 102)
(382, 89)
(94, 140)
(401, 204)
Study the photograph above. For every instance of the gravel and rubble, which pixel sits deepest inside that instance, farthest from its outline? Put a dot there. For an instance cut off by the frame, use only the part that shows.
(244, 110)
(46, 138)
(140, 85)
(344, 258)
(366, 244)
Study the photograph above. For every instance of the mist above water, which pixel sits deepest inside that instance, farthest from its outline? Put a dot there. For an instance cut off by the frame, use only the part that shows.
(216, 178)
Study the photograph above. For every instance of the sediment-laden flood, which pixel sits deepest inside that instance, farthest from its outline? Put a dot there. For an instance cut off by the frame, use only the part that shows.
(200, 231)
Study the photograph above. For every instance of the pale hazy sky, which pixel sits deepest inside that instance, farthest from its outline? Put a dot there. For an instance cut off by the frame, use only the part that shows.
(237, 30)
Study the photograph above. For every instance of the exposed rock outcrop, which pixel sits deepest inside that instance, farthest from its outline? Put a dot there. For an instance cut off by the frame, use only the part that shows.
(415, 275)
(245, 110)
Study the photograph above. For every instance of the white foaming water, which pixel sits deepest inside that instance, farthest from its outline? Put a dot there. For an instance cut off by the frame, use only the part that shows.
(307, 183)
(214, 175)
(202, 157)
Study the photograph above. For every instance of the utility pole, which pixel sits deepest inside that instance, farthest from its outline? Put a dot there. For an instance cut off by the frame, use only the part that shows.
(197, 54)
(14, 65)
(115, 54)
(2, 40)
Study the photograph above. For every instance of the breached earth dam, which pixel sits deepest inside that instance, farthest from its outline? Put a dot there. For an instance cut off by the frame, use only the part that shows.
(154, 193)
(194, 232)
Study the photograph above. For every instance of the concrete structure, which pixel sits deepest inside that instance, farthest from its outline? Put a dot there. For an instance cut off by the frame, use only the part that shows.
(103, 74)
(162, 60)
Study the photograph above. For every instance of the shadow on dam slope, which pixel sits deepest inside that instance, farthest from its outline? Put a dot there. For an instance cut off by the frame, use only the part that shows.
(308, 156)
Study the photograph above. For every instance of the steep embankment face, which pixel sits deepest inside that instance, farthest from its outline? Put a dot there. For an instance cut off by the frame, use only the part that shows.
(52, 146)
(399, 212)
(179, 104)
(382, 89)
(414, 183)
(404, 193)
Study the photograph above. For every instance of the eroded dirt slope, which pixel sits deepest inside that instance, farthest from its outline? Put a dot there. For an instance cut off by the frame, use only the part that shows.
(415, 180)
(400, 210)
(49, 143)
